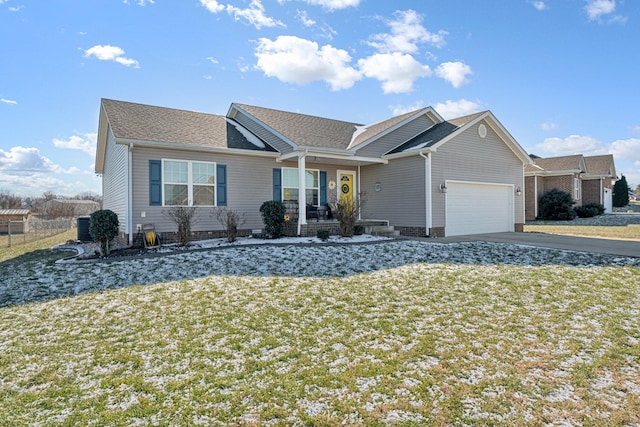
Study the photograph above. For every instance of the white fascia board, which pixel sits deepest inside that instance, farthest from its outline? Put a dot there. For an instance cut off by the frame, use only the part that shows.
(554, 173)
(330, 153)
(200, 148)
(232, 113)
(104, 129)
(429, 111)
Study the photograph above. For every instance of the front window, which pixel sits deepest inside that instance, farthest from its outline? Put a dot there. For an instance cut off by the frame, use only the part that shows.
(188, 183)
(576, 188)
(290, 185)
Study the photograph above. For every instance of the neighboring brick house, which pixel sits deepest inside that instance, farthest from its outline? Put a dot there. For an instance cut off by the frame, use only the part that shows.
(587, 179)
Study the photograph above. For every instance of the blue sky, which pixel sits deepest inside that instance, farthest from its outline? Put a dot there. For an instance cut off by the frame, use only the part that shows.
(563, 76)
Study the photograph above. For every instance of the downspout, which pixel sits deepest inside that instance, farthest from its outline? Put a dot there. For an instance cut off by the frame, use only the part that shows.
(427, 195)
(129, 227)
(302, 188)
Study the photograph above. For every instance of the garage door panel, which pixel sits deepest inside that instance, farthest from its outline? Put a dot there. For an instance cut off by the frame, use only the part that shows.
(474, 208)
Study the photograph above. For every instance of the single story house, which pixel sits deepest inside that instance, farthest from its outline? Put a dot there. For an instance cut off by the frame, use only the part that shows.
(421, 174)
(19, 219)
(589, 179)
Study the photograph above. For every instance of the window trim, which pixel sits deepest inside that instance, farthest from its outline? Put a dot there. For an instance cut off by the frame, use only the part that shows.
(296, 187)
(190, 184)
(576, 188)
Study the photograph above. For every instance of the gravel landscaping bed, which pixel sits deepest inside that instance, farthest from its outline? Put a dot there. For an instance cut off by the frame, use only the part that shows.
(33, 280)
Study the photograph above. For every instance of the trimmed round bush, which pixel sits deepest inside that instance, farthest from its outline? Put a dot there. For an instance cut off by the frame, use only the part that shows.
(273, 213)
(556, 205)
(103, 227)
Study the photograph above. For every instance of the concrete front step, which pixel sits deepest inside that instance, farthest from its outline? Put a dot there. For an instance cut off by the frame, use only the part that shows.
(382, 230)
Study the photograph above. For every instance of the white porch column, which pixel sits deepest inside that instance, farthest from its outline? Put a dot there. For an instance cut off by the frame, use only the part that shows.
(428, 193)
(302, 193)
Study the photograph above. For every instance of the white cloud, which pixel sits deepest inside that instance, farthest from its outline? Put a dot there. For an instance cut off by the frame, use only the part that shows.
(8, 101)
(539, 5)
(330, 5)
(254, 14)
(110, 53)
(597, 8)
(212, 59)
(397, 71)
(627, 149)
(140, 2)
(634, 129)
(548, 126)
(454, 72)
(85, 143)
(212, 6)
(16, 8)
(406, 32)
(295, 60)
(23, 160)
(402, 109)
(573, 144)
(304, 18)
(452, 109)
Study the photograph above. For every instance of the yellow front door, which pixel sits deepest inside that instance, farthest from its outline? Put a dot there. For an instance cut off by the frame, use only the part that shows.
(345, 185)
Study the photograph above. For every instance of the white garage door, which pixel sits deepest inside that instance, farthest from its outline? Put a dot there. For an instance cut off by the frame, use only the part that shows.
(475, 208)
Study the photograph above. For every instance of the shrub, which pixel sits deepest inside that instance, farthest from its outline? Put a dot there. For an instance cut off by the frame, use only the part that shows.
(230, 220)
(323, 235)
(103, 227)
(358, 229)
(589, 210)
(556, 205)
(273, 218)
(620, 193)
(183, 216)
(347, 214)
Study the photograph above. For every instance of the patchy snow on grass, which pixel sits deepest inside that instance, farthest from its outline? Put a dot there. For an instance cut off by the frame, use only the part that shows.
(383, 332)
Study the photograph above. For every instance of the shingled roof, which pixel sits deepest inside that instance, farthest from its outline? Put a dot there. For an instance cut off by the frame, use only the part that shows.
(600, 165)
(131, 121)
(304, 130)
(574, 163)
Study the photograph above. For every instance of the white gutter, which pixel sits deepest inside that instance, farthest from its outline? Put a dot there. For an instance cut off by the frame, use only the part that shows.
(200, 148)
(427, 195)
(129, 225)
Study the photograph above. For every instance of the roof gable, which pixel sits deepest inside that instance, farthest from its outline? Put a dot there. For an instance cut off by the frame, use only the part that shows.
(600, 165)
(302, 129)
(569, 164)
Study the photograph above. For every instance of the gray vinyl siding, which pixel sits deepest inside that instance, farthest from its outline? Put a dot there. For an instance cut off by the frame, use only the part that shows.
(263, 133)
(468, 157)
(401, 199)
(115, 178)
(396, 137)
(249, 184)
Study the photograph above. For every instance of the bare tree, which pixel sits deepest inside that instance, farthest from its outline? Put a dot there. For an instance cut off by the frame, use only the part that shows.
(9, 200)
(184, 217)
(231, 220)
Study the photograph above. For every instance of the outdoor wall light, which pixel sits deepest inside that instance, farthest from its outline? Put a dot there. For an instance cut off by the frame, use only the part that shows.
(518, 191)
(443, 187)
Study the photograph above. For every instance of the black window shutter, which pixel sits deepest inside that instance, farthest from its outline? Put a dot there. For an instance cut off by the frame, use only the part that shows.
(277, 185)
(221, 178)
(323, 188)
(155, 183)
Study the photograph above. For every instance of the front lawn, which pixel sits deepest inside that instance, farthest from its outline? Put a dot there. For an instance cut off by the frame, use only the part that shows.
(627, 232)
(422, 343)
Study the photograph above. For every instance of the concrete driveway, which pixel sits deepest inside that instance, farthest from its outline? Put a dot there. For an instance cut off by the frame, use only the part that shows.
(625, 248)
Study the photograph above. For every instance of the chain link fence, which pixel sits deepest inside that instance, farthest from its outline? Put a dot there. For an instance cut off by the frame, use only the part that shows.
(14, 233)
